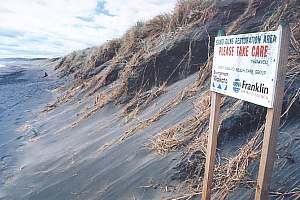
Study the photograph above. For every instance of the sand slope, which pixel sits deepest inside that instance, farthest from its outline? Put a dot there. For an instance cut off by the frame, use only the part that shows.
(130, 119)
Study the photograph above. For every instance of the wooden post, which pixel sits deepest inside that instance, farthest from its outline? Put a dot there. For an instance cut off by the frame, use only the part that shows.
(212, 141)
(211, 145)
(273, 120)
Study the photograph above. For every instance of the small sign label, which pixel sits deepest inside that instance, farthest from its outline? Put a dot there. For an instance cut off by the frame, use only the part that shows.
(245, 66)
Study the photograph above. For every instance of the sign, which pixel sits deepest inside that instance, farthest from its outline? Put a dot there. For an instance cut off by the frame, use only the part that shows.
(250, 67)
(245, 66)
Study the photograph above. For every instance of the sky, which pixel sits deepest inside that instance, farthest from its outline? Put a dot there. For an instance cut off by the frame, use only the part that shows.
(51, 28)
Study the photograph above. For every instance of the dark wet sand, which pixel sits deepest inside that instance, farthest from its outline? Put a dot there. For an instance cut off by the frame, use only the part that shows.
(23, 91)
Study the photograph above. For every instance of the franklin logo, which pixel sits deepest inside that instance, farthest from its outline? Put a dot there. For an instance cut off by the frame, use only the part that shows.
(257, 87)
(236, 85)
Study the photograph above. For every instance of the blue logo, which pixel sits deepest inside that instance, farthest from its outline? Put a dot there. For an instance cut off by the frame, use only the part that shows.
(236, 85)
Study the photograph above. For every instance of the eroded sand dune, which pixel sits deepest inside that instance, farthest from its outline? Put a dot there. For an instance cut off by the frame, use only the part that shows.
(130, 120)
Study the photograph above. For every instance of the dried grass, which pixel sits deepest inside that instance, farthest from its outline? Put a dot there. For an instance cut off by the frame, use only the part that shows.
(292, 194)
(156, 26)
(191, 12)
(173, 138)
(101, 100)
(187, 92)
(249, 13)
(68, 95)
(141, 101)
(102, 54)
(233, 173)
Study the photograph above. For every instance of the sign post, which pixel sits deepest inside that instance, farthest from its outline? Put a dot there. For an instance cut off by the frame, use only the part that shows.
(212, 141)
(211, 144)
(273, 120)
(249, 67)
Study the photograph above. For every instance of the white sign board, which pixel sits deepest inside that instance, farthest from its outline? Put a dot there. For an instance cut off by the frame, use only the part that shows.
(245, 66)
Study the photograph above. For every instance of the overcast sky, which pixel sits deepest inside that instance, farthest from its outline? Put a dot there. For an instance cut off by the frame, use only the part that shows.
(49, 28)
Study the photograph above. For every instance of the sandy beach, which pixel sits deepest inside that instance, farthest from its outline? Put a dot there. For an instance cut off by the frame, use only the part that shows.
(24, 91)
(130, 119)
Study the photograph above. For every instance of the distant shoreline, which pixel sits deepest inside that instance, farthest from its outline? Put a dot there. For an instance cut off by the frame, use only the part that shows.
(21, 59)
